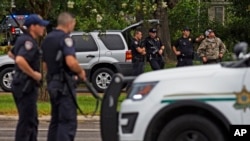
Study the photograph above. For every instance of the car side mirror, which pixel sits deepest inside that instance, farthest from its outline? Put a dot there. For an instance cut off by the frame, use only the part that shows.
(240, 50)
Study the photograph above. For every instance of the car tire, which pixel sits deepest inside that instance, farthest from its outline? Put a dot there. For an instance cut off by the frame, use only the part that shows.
(101, 79)
(6, 79)
(191, 127)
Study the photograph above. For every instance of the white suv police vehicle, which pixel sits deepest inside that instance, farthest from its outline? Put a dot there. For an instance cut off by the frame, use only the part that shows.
(196, 103)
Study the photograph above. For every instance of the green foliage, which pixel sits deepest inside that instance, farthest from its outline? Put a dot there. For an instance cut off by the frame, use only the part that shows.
(238, 20)
(3, 5)
(117, 14)
(235, 28)
(2, 37)
(188, 13)
(102, 15)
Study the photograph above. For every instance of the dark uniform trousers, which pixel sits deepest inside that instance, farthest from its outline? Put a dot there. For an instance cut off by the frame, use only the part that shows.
(156, 62)
(138, 66)
(64, 112)
(184, 61)
(26, 105)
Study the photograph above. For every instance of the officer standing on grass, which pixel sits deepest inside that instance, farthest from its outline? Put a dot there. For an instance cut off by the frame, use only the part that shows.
(25, 80)
(154, 49)
(138, 53)
(64, 111)
(211, 49)
(184, 48)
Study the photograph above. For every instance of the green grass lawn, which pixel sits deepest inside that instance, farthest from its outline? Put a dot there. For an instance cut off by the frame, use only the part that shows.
(7, 106)
(86, 102)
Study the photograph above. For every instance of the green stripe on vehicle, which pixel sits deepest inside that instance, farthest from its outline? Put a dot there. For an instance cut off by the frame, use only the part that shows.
(200, 99)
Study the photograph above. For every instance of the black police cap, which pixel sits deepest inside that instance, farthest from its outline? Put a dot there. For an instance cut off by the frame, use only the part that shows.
(186, 28)
(153, 30)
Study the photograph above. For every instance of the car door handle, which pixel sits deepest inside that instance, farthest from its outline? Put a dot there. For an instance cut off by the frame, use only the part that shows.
(91, 56)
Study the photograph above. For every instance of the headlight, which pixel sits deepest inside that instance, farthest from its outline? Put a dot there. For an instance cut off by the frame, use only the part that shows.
(141, 90)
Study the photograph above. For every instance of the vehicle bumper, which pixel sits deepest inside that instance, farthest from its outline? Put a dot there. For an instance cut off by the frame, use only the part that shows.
(124, 68)
(134, 118)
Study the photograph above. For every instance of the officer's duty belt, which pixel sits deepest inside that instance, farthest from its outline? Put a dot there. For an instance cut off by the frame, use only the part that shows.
(55, 77)
(183, 56)
(155, 55)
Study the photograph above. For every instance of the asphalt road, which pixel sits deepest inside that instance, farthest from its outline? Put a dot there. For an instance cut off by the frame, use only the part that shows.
(88, 130)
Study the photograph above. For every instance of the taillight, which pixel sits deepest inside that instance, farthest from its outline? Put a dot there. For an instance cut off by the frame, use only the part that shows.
(128, 56)
(13, 30)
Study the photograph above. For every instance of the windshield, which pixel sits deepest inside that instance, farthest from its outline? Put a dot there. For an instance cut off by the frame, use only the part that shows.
(9, 21)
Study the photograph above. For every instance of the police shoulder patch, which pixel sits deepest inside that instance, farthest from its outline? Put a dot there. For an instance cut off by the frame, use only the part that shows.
(68, 41)
(28, 45)
(136, 42)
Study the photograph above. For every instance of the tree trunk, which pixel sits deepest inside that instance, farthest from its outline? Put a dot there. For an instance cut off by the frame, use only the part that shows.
(42, 8)
(43, 93)
(164, 34)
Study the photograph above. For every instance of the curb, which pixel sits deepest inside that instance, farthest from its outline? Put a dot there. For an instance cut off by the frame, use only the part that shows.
(47, 118)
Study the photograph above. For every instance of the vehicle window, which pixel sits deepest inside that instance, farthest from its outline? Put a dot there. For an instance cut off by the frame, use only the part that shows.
(19, 18)
(112, 41)
(84, 43)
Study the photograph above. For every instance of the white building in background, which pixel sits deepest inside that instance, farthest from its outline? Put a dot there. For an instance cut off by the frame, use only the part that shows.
(217, 10)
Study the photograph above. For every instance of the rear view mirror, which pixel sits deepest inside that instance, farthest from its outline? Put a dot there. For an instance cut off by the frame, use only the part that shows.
(240, 50)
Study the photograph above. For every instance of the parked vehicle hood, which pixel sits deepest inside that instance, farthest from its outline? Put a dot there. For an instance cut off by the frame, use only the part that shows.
(180, 73)
(5, 59)
(197, 79)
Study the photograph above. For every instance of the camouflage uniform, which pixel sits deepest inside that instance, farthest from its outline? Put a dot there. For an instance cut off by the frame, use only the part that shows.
(211, 48)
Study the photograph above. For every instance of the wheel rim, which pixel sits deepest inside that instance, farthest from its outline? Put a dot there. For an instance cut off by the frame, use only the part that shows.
(191, 135)
(7, 80)
(103, 80)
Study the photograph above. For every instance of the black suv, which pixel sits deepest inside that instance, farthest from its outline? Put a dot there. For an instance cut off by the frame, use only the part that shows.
(9, 28)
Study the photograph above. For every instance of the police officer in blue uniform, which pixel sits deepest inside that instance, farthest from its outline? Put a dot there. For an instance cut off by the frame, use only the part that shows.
(138, 53)
(25, 80)
(154, 49)
(184, 48)
(64, 111)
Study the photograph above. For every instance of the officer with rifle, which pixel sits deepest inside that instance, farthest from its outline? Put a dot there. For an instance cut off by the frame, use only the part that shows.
(27, 76)
(62, 69)
(154, 49)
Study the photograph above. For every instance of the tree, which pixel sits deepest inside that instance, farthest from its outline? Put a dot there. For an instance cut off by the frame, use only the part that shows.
(188, 13)
(4, 4)
(101, 14)
(238, 20)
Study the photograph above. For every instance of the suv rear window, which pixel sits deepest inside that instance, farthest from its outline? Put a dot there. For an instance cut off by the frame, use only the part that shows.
(112, 41)
(84, 43)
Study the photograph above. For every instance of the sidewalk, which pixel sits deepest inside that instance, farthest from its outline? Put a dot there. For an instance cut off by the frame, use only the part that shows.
(47, 118)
